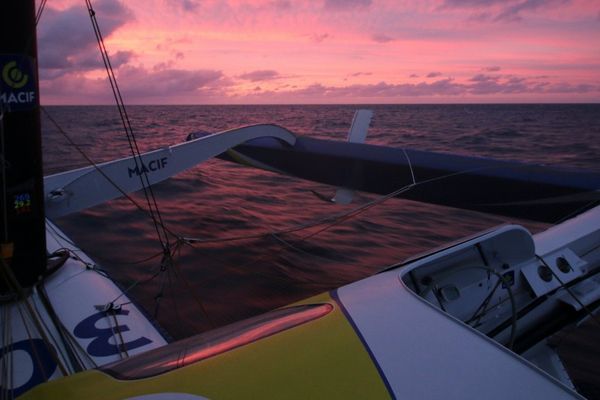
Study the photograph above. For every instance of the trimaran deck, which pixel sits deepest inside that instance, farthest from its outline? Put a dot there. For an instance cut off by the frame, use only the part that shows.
(469, 320)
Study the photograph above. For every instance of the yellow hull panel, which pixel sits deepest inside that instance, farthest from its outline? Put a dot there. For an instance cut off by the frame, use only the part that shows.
(323, 358)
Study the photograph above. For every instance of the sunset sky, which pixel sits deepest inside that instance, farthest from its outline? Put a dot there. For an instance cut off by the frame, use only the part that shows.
(323, 51)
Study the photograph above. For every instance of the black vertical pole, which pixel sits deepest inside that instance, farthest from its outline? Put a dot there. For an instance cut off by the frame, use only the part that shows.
(22, 233)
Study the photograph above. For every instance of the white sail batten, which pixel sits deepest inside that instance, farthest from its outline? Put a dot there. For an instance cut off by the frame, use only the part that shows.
(86, 187)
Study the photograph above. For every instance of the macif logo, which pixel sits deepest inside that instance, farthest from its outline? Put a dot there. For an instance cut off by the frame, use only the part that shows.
(17, 83)
(152, 166)
(13, 76)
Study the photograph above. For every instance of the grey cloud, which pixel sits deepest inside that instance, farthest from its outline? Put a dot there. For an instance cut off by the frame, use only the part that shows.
(381, 89)
(66, 39)
(513, 12)
(168, 82)
(139, 85)
(318, 38)
(500, 10)
(345, 5)
(472, 3)
(187, 5)
(381, 38)
(260, 75)
(569, 88)
(282, 5)
(477, 85)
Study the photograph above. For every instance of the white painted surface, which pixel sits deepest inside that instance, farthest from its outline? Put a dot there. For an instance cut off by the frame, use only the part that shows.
(581, 233)
(426, 354)
(79, 189)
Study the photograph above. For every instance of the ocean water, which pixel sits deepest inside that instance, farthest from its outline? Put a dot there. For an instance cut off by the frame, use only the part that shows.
(220, 280)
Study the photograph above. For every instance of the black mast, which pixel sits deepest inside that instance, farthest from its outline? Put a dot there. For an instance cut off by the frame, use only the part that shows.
(22, 230)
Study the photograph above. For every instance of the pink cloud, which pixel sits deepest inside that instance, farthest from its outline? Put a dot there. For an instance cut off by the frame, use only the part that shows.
(217, 48)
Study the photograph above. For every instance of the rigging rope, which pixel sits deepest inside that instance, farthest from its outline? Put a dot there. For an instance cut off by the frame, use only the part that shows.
(101, 172)
(336, 219)
(7, 373)
(40, 11)
(331, 220)
(153, 208)
(13, 284)
(76, 364)
(167, 258)
(178, 271)
(4, 183)
(573, 295)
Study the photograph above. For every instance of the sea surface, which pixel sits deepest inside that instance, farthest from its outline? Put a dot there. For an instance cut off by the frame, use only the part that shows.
(220, 280)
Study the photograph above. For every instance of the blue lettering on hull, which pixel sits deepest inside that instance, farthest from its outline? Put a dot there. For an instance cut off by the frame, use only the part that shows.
(41, 362)
(101, 346)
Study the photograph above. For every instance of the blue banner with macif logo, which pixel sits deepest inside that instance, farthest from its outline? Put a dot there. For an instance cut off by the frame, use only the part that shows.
(18, 90)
